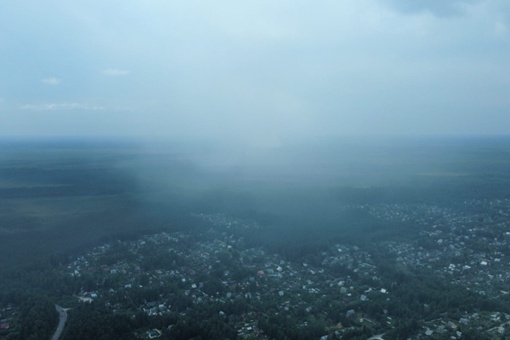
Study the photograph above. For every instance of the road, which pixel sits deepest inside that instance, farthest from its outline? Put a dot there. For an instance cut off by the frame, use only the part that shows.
(502, 325)
(62, 312)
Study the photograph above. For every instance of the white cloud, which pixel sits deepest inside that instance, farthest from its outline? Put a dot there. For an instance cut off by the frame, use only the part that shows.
(61, 106)
(51, 81)
(113, 72)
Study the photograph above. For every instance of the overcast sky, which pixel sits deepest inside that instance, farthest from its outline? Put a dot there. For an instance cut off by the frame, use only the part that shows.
(259, 71)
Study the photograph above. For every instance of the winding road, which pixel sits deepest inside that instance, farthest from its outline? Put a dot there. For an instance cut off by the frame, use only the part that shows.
(62, 312)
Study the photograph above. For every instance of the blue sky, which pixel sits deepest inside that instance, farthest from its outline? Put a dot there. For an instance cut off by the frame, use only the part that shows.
(256, 71)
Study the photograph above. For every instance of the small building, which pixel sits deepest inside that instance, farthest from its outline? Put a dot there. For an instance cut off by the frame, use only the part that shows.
(154, 333)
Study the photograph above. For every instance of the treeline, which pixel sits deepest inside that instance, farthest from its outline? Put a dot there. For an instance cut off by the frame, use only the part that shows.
(94, 321)
(438, 192)
(38, 317)
(296, 237)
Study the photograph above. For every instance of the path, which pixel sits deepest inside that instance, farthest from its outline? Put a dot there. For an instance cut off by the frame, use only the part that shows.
(62, 322)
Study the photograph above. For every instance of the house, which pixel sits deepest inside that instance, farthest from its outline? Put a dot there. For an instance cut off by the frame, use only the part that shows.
(154, 333)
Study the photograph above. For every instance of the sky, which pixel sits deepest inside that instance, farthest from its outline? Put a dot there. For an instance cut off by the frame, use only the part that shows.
(254, 71)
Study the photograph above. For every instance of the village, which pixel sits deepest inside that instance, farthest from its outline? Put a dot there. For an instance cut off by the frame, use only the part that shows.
(341, 290)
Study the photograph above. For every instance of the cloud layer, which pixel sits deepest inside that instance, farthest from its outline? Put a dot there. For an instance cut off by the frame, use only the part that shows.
(61, 106)
(51, 81)
(258, 71)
